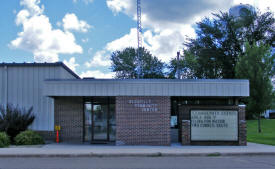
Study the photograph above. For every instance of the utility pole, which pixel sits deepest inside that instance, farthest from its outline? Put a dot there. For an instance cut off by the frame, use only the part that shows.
(178, 65)
(139, 38)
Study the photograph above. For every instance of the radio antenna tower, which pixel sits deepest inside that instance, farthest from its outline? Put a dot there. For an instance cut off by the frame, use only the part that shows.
(139, 38)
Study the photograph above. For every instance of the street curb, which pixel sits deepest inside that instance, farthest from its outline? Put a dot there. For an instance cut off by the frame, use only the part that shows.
(158, 154)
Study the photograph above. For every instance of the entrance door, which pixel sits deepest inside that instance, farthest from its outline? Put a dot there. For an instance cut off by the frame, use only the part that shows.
(100, 122)
(175, 132)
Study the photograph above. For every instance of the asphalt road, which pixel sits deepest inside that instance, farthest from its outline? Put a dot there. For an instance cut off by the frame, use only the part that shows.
(244, 162)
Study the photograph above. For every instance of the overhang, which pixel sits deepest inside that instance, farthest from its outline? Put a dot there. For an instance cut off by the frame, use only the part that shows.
(147, 87)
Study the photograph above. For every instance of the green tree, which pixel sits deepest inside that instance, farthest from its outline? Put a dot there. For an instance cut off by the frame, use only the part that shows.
(184, 65)
(257, 65)
(220, 41)
(125, 64)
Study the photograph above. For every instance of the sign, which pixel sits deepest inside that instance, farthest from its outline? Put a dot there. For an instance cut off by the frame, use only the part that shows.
(174, 121)
(214, 125)
(57, 128)
(144, 105)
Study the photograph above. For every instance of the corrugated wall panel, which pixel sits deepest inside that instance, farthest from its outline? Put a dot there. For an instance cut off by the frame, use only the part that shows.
(25, 85)
(65, 74)
(115, 88)
(3, 87)
(141, 89)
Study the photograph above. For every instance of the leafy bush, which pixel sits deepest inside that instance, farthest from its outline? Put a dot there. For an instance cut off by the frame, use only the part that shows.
(13, 120)
(28, 138)
(4, 140)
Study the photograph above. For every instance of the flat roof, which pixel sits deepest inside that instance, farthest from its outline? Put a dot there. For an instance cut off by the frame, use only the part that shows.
(87, 80)
(147, 87)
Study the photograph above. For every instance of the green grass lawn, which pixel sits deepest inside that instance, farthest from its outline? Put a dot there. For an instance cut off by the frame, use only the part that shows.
(267, 136)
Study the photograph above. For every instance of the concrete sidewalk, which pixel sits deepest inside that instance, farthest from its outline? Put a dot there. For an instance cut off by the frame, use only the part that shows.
(82, 150)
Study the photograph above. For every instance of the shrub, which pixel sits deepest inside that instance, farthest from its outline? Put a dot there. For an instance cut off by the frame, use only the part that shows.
(28, 138)
(4, 140)
(13, 120)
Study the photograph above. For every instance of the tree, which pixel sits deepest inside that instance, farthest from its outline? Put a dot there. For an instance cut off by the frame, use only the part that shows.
(220, 41)
(184, 65)
(125, 64)
(257, 65)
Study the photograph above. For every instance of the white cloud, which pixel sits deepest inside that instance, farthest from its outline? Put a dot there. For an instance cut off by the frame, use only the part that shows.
(33, 6)
(72, 23)
(163, 44)
(163, 13)
(59, 24)
(101, 58)
(97, 74)
(128, 40)
(39, 37)
(85, 40)
(71, 63)
(90, 50)
(167, 42)
(168, 23)
(167, 14)
(120, 5)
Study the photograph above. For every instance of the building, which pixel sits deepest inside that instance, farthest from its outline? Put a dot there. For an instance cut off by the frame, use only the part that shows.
(269, 114)
(126, 112)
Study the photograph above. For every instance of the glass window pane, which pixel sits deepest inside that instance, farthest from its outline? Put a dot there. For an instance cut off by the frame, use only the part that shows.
(112, 115)
(100, 122)
(112, 133)
(88, 114)
(87, 121)
(100, 119)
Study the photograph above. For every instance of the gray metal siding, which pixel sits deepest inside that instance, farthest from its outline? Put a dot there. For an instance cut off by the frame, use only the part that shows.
(25, 85)
(65, 74)
(3, 85)
(218, 88)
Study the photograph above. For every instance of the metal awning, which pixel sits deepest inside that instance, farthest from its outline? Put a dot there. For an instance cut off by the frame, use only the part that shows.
(147, 87)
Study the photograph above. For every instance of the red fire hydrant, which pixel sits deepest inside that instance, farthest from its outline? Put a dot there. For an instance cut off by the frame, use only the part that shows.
(57, 128)
(57, 136)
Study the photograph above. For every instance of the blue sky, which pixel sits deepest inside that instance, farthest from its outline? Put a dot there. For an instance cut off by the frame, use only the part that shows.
(83, 33)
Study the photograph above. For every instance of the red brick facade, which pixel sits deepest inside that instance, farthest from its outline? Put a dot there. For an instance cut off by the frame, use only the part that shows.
(139, 121)
(143, 120)
(68, 113)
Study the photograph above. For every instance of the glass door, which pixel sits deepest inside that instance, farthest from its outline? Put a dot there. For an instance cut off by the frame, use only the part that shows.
(112, 122)
(100, 122)
(100, 119)
(88, 122)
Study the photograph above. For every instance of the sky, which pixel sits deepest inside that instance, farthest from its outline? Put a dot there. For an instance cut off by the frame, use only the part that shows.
(84, 33)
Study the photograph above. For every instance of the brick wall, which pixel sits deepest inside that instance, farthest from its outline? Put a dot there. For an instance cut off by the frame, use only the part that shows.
(143, 120)
(69, 115)
(242, 126)
(185, 132)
